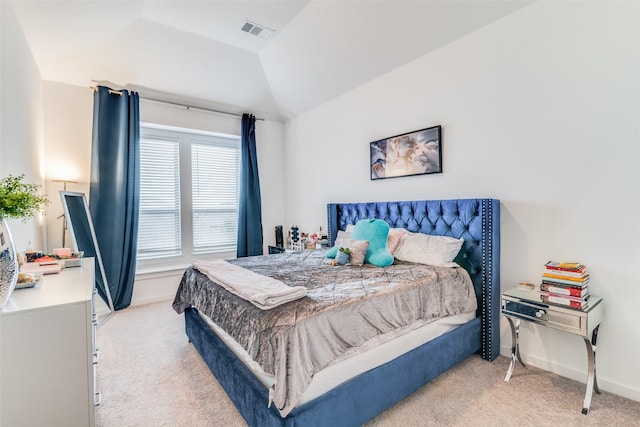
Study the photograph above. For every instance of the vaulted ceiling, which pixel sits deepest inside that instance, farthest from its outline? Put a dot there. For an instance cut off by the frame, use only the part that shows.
(196, 52)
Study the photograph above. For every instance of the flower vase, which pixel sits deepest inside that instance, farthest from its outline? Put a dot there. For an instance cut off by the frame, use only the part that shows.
(8, 264)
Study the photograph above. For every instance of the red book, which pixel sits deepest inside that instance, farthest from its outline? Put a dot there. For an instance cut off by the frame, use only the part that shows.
(565, 290)
(564, 301)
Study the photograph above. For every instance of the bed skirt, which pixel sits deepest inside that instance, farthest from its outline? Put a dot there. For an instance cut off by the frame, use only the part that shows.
(350, 404)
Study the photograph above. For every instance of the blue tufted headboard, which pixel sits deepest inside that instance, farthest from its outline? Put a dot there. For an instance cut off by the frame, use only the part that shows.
(477, 221)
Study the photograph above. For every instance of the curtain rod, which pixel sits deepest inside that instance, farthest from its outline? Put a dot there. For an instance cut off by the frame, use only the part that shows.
(188, 107)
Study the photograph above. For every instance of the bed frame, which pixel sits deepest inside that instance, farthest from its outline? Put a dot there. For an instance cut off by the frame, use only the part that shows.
(367, 395)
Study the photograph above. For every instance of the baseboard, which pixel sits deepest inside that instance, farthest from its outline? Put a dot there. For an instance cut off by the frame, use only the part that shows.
(604, 383)
(155, 287)
(152, 299)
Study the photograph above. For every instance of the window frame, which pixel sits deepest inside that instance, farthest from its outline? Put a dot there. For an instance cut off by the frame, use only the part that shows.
(186, 137)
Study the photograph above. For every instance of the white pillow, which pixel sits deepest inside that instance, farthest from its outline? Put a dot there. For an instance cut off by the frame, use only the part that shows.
(342, 235)
(394, 238)
(428, 249)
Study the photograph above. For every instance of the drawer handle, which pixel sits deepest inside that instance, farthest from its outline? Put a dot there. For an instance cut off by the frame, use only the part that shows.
(540, 313)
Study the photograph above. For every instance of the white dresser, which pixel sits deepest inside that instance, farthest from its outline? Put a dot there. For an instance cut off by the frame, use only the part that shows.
(47, 352)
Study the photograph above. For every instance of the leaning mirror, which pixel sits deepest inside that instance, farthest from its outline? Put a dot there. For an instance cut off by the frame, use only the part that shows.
(83, 235)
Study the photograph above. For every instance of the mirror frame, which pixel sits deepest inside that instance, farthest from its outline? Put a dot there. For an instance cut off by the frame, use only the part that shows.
(70, 222)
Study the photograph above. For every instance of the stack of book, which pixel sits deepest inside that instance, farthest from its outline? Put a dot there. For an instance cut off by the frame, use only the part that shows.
(565, 283)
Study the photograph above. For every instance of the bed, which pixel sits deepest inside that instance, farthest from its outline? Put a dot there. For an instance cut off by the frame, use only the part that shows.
(369, 393)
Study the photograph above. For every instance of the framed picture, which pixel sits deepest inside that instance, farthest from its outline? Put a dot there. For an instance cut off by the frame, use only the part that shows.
(413, 153)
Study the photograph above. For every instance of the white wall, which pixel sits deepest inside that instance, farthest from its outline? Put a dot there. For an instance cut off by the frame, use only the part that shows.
(68, 118)
(541, 110)
(21, 121)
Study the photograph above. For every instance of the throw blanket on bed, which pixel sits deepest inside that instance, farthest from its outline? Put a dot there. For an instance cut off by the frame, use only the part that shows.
(345, 307)
(262, 291)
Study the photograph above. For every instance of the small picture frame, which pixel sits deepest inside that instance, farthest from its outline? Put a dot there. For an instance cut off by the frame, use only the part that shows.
(414, 153)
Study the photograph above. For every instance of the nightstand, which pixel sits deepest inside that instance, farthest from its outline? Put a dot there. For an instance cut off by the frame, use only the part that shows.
(522, 304)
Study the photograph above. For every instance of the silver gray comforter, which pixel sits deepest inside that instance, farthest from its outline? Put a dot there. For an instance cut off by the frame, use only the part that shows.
(345, 307)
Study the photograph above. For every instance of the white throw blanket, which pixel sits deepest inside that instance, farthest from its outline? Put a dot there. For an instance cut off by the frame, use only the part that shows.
(262, 291)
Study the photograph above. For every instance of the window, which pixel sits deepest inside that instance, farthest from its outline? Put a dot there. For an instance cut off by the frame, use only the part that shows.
(189, 184)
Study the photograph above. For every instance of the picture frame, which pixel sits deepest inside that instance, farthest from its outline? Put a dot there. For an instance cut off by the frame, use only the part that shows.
(413, 153)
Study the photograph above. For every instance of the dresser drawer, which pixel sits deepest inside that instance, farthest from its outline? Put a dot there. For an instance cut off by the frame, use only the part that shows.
(554, 317)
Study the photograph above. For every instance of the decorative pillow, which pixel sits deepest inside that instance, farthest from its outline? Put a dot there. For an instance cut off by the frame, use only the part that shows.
(428, 249)
(331, 253)
(358, 250)
(349, 228)
(395, 235)
(375, 231)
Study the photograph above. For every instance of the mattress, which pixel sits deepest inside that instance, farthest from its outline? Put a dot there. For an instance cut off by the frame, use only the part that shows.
(349, 367)
(345, 311)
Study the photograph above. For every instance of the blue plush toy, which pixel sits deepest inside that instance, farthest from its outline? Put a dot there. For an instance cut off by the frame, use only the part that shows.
(375, 231)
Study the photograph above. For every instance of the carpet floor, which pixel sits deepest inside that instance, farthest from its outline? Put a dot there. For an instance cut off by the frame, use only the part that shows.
(150, 375)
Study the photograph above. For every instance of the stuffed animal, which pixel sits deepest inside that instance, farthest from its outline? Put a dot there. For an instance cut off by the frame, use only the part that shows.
(375, 231)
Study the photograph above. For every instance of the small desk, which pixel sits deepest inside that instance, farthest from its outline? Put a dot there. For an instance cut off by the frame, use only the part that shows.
(522, 304)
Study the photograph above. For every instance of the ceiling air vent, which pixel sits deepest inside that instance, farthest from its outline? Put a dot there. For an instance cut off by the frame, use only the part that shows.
(257, 30)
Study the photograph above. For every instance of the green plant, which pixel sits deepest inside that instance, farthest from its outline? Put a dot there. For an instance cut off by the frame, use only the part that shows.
(345, 250)
(20, 200)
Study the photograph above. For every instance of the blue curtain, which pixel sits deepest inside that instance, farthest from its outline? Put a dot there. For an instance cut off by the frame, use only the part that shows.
(250, 213)
(114, 192)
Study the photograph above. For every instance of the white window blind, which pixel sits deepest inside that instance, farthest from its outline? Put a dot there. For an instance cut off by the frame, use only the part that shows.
(159, 231)
(189, 186)
(214, 185)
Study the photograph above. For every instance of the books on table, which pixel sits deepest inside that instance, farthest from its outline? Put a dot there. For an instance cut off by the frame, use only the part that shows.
(569, 291)
(563, 301)
(565, 283)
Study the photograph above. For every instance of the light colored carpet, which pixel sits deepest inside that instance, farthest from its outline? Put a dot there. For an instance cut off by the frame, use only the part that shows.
(150, 375)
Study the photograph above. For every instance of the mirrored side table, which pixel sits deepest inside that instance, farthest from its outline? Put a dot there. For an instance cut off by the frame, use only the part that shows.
(519, 304)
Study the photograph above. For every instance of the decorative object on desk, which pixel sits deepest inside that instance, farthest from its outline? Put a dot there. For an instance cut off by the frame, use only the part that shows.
(295, 241)
(343, 255)
(322, 244)
(28, 280)
(46, 260)
(32, 255)
(295, 233)
(19, 201)
(413, 153)
(46, 268)
(62, 253)
(565, 284)
(67, 258)
(279, 237)
(525, 285)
